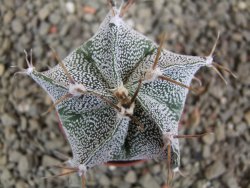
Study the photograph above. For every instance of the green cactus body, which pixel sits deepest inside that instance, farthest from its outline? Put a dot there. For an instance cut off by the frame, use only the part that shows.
(115, 59)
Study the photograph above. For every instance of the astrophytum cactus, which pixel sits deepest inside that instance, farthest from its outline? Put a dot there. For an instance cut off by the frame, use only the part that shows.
(119, 96)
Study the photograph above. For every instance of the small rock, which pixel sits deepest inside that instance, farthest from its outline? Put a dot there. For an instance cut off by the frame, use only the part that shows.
(247, 117)
(130, 177)
(70, 7)
(104, 180)
(116, 181)
(21, 184)
(14, 156)
(220, 133)
(8, 120)
(6, 45)
(17, 26)
(5, 177)
(44, 13)
(147, 181)
(156, 169)
(44, 29)
(10, 134)
(1, 69)
(208, 139)
(124, 185)
(8, 17)
(215, 170)
(54, 18)
(3, 160)
(242, 5)
(49, 161)
(230, 181)
(206, 151)
(23, 166)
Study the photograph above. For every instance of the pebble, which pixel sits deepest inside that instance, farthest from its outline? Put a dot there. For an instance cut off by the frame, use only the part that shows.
(3, 160)
(208, 139)
(70, 6)
(55, 18)
(247, 117)
(8, 17)
(215, 170)
(130, 177)
(147, 181)
(21, 184)
(230, 180)
(156, 169)
(220, 133)
(23, 166)
(48, 161)
(8, 120)
(44, 29)
(44, 13)
(104, 180)
(14, 156)
(242, 5)
(6, 178)
(206, 152)
(17, 26)
(1, 69)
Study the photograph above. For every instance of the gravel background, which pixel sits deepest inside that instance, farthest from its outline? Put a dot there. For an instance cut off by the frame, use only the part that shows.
(30, 142)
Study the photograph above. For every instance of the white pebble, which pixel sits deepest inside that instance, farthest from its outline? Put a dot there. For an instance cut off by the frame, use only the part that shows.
(70, 6)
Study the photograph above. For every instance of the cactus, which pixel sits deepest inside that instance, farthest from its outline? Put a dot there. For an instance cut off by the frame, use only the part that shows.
(119, 96)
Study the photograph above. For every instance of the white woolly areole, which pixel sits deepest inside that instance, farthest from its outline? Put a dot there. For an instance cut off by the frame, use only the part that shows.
(117, 20)
(30, 70)
(82, 169)
(74, 89)
(121, 90)
(152, 74)
(209, 61)
(125, 111)
(168, 138)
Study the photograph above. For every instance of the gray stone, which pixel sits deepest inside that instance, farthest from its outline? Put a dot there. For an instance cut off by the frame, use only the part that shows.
(8, 17)
(220, 133)
(206, 152)
(44, 29)
(55, 18)
(23, 166)
(21, 184)
(130, 177)
(44, 13)
(8, 120)
(17, 26)
(104, 180)
(49, 161)
(14, 156)
(1, 69)
(6, 178)
(6, 45)
(116, 181)
(247, 117)
(230, 180)
(156, 169)
(208, 139)
(147, 181)
(3, 160)
(215, 170)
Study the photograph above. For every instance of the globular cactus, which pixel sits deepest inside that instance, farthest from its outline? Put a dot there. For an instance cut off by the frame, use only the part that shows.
(120, 96)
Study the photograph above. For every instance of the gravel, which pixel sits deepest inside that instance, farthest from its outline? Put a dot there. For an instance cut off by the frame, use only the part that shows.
(215, 170)
(131, 177)
(31, 142)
